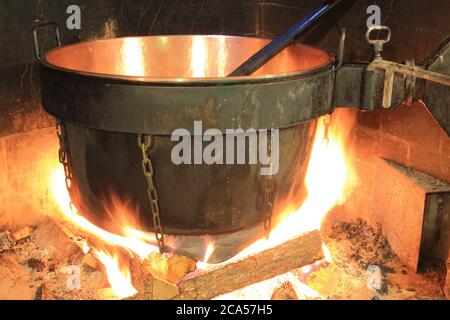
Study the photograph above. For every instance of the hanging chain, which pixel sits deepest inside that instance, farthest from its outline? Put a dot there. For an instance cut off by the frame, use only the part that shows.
(64, 157)
(269, 190)
(145, 143)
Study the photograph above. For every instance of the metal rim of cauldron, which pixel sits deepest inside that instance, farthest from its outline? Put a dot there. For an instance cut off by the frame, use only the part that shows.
(158, 108)
(189, 81)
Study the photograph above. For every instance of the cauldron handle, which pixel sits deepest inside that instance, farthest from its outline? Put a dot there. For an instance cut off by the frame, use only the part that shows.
(37, 50)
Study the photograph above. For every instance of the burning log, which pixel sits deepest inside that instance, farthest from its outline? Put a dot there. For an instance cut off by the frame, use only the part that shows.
(48, 235)
(8, 239)
(155, 275)
(133, 265)
(164, 291)
(135, 268)
(90, 261)
(230, 276)
(169, 269)
(285, 292)
(22, 233)
(295, 253)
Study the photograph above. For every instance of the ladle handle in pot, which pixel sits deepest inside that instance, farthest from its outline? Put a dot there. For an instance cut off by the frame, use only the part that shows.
(274, 47)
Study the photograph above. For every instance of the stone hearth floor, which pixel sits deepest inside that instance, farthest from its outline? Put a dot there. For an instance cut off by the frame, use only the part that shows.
(358, 252)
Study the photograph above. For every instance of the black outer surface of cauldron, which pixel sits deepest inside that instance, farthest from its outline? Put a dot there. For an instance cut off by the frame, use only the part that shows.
(193, 199)
(104, 114)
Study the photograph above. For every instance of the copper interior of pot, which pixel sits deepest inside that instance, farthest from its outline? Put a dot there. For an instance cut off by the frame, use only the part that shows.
(178, 58)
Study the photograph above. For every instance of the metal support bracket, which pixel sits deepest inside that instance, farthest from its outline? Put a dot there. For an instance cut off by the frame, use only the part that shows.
(390, 68)
(386, 84)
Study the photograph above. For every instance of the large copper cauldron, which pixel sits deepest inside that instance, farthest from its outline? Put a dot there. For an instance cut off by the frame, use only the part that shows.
(108, 92)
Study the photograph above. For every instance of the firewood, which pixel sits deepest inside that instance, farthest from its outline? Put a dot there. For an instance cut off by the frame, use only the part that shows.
(230, 276)
(294, 253)
(90, 261)
(22, 233)
(163, 291)
(151, 288)
(157, 265)
(171, 277)
(152, 276)
(167, 268)
(285, 291)
(48, 235)
(179, 267)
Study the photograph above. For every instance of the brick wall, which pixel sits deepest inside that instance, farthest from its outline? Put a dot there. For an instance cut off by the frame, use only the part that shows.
(27, 161)
(411, 137)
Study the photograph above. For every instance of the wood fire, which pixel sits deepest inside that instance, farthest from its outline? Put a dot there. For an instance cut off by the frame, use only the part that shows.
(196, 158)
(329, 179)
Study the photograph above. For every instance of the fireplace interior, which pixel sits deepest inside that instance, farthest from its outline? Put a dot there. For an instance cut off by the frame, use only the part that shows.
(92, 205)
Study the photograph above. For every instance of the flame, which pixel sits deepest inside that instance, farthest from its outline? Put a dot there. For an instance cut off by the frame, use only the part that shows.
(330, 179)
(119, 279)
(210, 247)
(70, 213)
(209, 251)
(327, 253)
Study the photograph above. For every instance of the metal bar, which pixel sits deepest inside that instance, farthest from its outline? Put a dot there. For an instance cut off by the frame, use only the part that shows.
(411, 71)
(388, 88)
(341, 50)
(276, 46)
